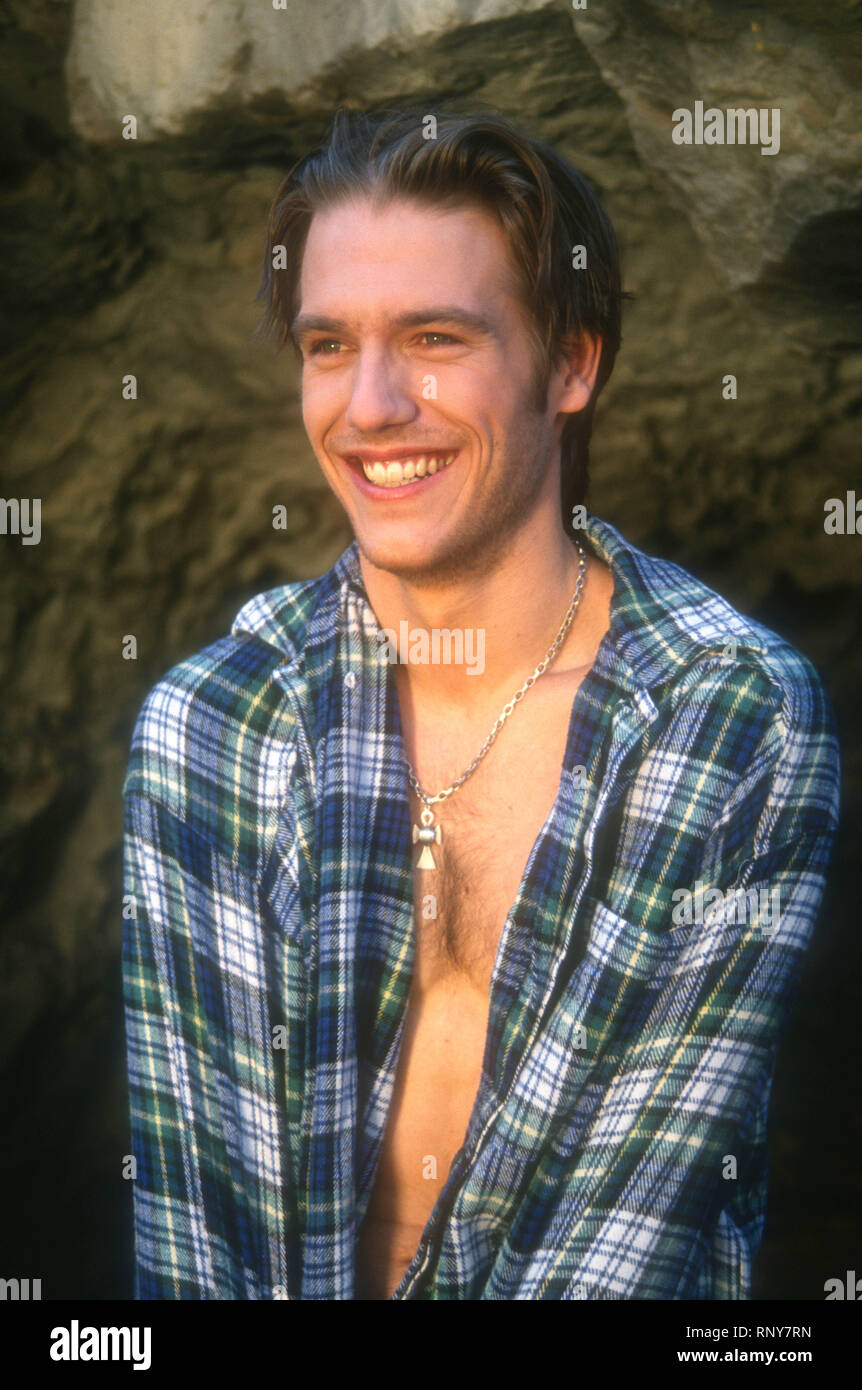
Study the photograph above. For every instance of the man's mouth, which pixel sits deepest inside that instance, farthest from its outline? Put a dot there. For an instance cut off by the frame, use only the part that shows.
(396, 473)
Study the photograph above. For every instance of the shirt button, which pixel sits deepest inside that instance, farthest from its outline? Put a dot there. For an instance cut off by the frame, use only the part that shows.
(350, 679)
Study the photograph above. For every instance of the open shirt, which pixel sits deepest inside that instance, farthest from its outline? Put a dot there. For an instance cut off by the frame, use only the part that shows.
(617, 1144)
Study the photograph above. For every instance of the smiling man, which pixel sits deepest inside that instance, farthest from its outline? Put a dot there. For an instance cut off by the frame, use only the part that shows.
(412, 1008)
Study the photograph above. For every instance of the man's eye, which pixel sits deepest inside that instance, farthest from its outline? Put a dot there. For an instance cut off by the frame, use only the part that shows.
(319, 347)
(330, 347)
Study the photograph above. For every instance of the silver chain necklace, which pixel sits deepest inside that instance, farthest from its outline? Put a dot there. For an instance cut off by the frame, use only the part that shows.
(428, 834)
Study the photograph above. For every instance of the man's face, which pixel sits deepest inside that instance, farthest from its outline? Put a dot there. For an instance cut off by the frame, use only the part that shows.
(415, 351)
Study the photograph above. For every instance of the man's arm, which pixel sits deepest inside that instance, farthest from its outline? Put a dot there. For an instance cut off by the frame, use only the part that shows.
(696, 1075)
(652, 1070)
(181, 1087)
(737, 1015)
(213, 984)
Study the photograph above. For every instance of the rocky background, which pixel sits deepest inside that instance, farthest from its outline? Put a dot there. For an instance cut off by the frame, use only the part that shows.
(142, 256)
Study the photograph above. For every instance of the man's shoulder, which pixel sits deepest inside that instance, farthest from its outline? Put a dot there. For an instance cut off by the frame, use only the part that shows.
(674, 631)
(213, 739)
(729, 701)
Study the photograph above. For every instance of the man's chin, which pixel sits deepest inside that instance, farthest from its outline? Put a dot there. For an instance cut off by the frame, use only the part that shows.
(404, 559)
(437, 562)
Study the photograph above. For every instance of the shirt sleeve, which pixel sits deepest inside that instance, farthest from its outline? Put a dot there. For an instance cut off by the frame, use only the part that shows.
(742, 1008)
(208, 1213)
(677, 1153)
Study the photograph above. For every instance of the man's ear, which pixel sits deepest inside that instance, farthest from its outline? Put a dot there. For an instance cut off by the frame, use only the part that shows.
(576, 374)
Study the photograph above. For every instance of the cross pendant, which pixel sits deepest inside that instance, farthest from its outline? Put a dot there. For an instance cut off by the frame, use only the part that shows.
(426, 835)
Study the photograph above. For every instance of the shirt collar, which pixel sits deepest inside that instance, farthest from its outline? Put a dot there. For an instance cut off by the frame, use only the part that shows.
(659, 616)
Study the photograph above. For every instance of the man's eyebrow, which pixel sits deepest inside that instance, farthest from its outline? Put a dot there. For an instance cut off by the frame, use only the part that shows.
(445, 313)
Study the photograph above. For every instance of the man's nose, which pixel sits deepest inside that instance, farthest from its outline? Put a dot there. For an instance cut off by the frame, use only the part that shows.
(380, 392)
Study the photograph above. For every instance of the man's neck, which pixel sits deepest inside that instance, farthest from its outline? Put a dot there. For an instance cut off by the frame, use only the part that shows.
(512, 612)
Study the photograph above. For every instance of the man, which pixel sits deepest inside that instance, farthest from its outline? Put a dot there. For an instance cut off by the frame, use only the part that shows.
(446, 982)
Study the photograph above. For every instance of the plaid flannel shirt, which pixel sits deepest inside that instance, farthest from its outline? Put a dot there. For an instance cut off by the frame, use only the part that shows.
(617, 1144)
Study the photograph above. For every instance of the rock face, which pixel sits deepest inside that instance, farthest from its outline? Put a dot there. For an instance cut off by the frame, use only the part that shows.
(141, 258)
(170, 65)
(748, 212)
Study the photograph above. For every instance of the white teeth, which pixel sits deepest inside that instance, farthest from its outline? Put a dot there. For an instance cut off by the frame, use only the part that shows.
(402, 471)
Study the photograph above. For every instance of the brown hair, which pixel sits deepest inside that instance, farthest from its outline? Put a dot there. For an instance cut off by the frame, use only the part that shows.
(544, 205)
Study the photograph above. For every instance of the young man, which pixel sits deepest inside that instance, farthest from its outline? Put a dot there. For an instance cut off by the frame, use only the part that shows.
(464, 980)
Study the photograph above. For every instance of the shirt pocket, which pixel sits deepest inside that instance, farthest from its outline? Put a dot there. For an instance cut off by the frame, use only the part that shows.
(600, 994)
(615, 945)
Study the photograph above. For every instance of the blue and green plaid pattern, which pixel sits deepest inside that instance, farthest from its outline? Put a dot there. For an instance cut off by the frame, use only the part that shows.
(617, 1146)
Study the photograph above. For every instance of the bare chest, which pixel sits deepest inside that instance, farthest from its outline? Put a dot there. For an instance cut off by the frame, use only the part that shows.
(489, 828)
(461, 905)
